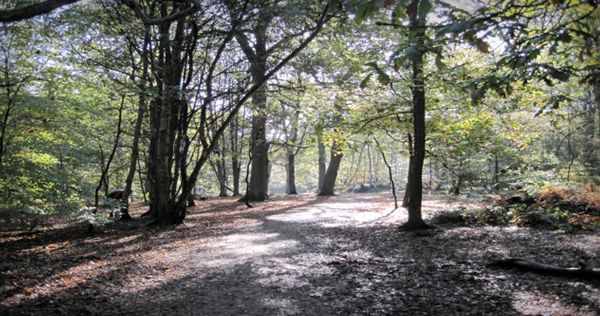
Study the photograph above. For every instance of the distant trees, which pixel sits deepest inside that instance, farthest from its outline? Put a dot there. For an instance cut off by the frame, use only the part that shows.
(475, 99)
(183, 53)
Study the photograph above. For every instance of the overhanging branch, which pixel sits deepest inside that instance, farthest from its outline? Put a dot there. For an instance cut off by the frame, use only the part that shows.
(31, 11)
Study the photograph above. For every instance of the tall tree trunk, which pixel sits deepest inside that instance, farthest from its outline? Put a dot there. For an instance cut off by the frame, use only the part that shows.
(137, 132)
(414, 193)
(257, 54)
(172, 125)
(290, 187)
(236, 165)
(221, 171)
(291, 152)
(258, 189)
(328, 187)
(322, 162)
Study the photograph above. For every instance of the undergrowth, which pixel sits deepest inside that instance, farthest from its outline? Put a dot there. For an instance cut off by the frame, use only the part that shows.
(552, 208)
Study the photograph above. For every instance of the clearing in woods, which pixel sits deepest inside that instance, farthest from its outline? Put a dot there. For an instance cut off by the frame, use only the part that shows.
(294, 255)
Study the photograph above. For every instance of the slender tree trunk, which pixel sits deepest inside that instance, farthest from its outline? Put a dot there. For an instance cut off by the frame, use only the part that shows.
(106, 168)
(322, 162)
(415, 172)
(137, 132)
(135, 153)
(221, 172)
(236, 165)
(390, 172)
(290, 187)
(496, 173)
(596, 90)
(406, 197)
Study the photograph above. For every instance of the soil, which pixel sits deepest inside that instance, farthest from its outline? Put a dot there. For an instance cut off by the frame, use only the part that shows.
(294, 255)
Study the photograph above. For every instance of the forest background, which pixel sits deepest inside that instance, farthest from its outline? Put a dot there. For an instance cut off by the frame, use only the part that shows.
(252, 98)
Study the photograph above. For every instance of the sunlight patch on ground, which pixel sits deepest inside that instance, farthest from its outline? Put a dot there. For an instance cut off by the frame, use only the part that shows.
(327, 215)
(586, 244)
(63, 281)
(286, 305)
(240, 248)
(534, 303)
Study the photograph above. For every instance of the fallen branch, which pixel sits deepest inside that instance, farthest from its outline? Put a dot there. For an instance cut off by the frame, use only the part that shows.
(583, 271)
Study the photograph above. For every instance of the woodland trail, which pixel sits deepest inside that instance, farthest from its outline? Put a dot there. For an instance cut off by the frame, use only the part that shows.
(304, 255)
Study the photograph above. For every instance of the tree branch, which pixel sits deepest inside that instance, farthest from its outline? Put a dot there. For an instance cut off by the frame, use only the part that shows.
(133, 5)
(31, 11)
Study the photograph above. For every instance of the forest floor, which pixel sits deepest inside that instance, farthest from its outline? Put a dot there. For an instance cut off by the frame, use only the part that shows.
(299, 255)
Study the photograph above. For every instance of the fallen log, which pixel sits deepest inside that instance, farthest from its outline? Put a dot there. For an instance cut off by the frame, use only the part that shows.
(583, 271)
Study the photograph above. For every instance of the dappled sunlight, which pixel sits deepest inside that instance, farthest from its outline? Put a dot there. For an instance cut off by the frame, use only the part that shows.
(64, 280)
(332, 213)
(536, 303)
(239, 248)
(295, 256)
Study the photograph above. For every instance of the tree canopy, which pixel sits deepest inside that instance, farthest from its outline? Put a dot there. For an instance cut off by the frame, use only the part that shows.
(145, 95)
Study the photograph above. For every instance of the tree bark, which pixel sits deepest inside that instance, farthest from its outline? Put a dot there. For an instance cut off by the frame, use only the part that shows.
(257, 55)
(104, 175)
(236, 133)
(414, 193)
(258, 189)
(171, 148)
(290, 187)
(322, 162)
(220, 170)
(137, 132)
(328, 187)
(33, 10)
(527, 265)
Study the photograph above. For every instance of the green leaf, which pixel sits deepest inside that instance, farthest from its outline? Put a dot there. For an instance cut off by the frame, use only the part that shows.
(365, 82)
(456, 28)
(399, 12)
(559, 75)
(365, 11)
(534, 54)
(564, 37)
(372, 64)
(439, 63)
(424, 8)
(382, 77)
(399, 62)
(412, 53)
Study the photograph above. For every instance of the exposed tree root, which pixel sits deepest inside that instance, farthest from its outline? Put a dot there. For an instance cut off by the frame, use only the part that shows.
(583, 271)
(417, 225)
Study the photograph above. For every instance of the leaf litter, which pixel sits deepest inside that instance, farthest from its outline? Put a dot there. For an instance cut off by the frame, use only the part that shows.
(293, 255)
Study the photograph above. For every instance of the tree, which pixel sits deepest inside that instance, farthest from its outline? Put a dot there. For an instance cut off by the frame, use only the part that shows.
(188, 105)
(48, 139)
(266, 33)
(209, 142)
(418, 45)
(257, 55)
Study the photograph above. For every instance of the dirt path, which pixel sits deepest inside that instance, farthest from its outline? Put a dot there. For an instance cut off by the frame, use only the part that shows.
(300, 255)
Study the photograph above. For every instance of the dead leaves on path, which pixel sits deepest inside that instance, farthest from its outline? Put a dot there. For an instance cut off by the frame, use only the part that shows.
(301, 255)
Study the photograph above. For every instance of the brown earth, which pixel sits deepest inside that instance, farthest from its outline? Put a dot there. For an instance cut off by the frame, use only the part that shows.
(300, 255)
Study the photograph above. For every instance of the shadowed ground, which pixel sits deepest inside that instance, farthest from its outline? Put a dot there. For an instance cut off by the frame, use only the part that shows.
(303, 255)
